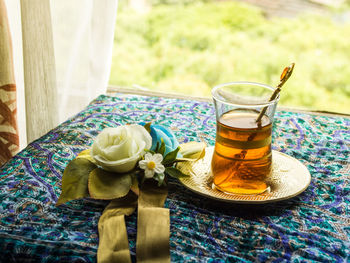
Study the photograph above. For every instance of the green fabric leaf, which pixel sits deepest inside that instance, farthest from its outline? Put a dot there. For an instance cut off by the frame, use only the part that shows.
(176, 173)
(160, 178)
(148, 126)
(75, 180)
(193, 150)
(106, 185)
(162, 147)
(157, 147)
(171, 156)
(86, 155)
(194, 159)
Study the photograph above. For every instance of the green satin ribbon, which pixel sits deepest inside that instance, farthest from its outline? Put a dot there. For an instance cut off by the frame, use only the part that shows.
(113, 244)
(153, 225)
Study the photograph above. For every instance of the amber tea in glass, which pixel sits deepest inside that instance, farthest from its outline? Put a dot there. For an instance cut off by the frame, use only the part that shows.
(242, 157)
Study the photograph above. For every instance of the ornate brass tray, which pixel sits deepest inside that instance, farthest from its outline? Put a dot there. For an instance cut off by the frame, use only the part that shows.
(288, 179)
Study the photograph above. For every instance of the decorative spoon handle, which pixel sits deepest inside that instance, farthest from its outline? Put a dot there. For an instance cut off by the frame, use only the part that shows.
(287, 72)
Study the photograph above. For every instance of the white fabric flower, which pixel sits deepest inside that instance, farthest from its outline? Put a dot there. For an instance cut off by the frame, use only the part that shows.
(119, 149)
(152, 164)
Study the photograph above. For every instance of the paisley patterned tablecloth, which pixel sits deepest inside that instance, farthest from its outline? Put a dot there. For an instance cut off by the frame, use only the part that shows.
(314, 226)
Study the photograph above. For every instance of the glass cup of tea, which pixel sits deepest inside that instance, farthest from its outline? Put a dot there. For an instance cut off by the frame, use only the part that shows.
(242, 157)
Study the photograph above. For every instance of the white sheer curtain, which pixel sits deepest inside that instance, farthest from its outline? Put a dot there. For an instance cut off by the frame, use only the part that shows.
(83, 34)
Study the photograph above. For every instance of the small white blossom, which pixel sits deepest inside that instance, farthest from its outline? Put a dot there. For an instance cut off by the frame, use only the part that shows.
(152, 164)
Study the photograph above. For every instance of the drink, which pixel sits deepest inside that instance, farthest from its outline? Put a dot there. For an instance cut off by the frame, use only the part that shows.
(242, 157)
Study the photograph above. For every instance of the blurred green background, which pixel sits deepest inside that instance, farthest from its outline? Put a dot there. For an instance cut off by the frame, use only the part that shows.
(190, 46)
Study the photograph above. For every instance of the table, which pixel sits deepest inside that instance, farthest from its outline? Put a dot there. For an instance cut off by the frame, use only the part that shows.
(314, 226)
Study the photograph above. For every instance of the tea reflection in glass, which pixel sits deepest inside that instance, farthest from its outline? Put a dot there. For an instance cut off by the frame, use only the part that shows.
(242, 157)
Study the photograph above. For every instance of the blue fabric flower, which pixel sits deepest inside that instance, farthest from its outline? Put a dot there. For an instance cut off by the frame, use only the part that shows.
(158, 132)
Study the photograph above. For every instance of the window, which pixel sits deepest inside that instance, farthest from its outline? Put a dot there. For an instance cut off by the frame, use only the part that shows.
(188, 47)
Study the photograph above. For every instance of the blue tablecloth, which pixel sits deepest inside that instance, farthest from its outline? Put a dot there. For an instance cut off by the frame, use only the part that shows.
(314, 226)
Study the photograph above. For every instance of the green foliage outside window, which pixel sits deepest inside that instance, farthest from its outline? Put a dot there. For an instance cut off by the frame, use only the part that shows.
(189, 48)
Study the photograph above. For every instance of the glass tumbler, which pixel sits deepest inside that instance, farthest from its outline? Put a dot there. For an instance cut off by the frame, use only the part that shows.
(242, 157)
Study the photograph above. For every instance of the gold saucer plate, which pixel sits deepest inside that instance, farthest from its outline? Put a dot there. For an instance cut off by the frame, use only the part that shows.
(289, 178)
